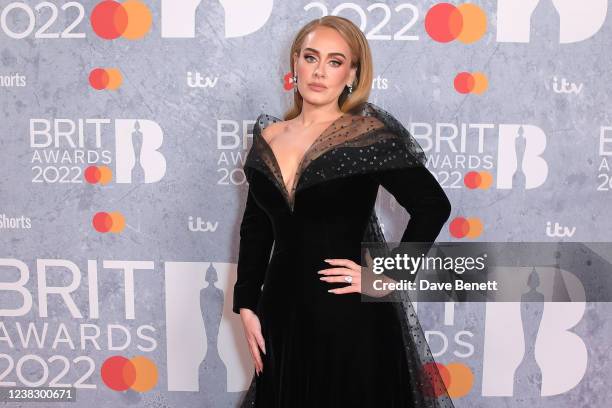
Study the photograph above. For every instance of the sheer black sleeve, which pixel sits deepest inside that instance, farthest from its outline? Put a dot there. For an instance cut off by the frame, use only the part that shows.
(256, 239)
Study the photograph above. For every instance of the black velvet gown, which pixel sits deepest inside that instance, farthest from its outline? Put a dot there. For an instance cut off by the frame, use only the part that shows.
(325, 349)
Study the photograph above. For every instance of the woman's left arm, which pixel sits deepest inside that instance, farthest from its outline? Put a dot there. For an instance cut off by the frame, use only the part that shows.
(418, 191)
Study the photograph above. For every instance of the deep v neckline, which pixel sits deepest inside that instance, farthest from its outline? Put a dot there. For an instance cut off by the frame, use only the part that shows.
(258, 132)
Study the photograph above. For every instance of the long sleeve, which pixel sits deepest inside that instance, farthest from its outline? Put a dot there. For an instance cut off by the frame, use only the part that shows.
(417, 190)
(256, 239)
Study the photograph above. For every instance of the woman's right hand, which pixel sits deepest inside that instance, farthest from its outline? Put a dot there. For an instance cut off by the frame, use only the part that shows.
(252, 332)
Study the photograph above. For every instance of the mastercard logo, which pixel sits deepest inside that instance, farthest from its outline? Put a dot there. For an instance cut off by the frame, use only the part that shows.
(478, 179)
(461, 227)
(131, 19)
(445, 22)
(457, 379)
(138, 373)
(466, 82)
(108, 222)
(105, 78)
(98, 174)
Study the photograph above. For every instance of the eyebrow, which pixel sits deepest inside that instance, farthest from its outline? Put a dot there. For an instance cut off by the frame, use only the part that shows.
(331, 53)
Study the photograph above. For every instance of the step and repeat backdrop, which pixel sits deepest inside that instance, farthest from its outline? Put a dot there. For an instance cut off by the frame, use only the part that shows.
(125, 126)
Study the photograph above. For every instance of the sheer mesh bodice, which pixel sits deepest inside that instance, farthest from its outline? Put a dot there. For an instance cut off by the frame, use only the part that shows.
(367, 127)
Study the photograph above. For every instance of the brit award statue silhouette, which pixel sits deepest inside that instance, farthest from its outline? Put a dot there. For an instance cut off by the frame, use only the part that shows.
(212, 373)
(528, 374)
(138, 172)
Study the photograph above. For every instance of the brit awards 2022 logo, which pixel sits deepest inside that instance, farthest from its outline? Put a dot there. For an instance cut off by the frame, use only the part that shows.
(66, 150)
(97, 152)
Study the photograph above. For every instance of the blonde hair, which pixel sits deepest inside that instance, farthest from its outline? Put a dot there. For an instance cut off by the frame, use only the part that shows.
(362, 59)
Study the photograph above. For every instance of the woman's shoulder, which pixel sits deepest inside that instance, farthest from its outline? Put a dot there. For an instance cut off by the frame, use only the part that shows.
(371, 110)
(390, 135)
(384, 119)
(267, 125)
(367, 116)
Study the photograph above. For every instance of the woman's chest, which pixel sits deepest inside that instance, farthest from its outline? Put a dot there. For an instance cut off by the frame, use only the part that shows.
(324, 197)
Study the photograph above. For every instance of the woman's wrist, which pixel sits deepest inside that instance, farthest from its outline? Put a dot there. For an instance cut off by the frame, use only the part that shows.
(246, 312)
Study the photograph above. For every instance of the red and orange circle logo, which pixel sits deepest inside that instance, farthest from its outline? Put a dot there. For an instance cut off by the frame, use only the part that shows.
(105, 78)
(131, 19)
(461, 227)
(108, 222)
(138, 373)
(445, 22)
(478, 179)
(466, 82)
(457, 379)
(98, 174)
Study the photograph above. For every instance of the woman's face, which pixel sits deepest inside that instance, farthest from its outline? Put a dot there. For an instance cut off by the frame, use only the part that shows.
(325, 60)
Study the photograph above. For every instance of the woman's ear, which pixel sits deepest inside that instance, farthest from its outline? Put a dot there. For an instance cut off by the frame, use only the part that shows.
(295, 60)
(353, 76)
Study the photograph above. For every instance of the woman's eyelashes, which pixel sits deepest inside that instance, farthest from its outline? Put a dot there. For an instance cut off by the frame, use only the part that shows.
(306, 57)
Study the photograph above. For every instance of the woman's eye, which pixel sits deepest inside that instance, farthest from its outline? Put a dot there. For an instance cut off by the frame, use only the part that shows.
(311, 58)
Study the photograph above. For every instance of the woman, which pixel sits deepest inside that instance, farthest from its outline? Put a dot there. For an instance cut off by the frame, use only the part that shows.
(313, 181)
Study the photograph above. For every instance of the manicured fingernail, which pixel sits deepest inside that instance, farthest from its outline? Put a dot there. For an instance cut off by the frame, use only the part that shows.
(331, 290)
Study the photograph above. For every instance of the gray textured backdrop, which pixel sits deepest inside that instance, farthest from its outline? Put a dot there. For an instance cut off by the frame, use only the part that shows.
(176, 308)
